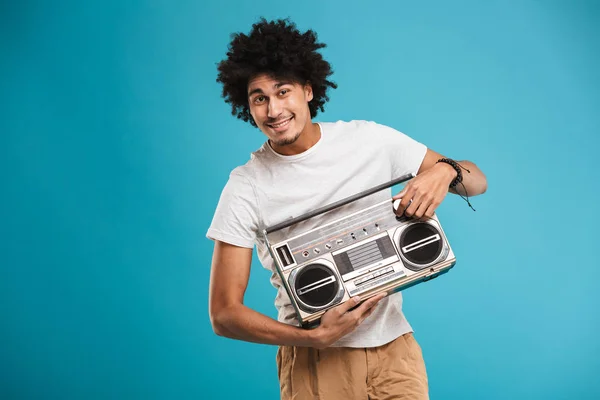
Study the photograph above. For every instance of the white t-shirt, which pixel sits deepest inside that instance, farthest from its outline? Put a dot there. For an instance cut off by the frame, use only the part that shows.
(270, 188)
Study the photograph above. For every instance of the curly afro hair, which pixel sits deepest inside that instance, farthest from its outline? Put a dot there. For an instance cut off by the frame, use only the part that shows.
(277, 49)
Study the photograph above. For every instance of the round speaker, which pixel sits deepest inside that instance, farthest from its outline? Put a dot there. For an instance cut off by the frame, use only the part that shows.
(315, 285)
(420, 245)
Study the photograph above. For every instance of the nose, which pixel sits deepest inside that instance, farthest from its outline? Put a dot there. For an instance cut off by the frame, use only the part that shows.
(275, 108)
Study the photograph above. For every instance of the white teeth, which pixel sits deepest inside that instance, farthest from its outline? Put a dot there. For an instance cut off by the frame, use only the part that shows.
(281, 124)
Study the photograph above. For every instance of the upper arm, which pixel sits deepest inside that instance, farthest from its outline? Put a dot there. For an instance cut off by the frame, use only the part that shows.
(229, 275)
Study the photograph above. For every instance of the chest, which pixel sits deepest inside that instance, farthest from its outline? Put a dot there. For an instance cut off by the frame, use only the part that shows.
(298, 189)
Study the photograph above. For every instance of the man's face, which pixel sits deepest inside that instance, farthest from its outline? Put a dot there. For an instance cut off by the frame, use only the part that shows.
(279, 108)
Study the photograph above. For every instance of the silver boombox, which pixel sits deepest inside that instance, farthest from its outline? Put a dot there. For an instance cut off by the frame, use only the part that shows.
(364, 253)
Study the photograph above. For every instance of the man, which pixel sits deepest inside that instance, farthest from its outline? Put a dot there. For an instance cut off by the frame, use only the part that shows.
(275, 79)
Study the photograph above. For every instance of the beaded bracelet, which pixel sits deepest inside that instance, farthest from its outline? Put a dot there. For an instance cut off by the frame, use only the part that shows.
(454, 165)
(459, 177)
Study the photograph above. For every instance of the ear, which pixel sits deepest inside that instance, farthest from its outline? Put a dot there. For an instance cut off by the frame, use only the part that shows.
(308, 92)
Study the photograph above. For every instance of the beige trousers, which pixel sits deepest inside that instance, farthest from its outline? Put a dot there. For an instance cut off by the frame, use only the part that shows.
(395, 370)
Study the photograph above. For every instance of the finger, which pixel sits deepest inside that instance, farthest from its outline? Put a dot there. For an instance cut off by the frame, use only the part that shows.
(369, 303)
(414, 205)
(366, 315)
(430, 210)
(398, 208)
(404, 208)
(400, 193)
(373, 307)
(345, 307)
(422, 208)
(424, 218)
(367, 311)
(407, 189)
(407, 199)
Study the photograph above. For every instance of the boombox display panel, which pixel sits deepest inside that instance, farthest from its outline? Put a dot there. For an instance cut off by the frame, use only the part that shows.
(363, 253)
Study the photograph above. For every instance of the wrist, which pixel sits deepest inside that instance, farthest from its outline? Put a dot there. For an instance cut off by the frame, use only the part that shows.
(448, 169)
(456, 175)
(317, 338)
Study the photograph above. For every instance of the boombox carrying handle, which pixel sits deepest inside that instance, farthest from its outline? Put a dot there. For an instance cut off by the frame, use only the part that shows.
(339, 203)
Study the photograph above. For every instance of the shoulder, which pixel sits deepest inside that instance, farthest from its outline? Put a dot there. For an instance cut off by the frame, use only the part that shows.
(345, 129)
(341, 125)
(248, 171)
(366, 132)
(355, 125)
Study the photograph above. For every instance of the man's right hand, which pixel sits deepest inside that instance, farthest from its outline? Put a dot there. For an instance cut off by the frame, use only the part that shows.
(339, 321)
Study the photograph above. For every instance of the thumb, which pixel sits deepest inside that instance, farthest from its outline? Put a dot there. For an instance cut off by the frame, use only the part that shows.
(400, 194)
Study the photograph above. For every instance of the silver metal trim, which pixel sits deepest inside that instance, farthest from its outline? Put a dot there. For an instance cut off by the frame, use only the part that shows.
(390, 277)
(372, 267)
(359, 243)
(336, 221)
(423, 242)
(311, 287)
(275, 255)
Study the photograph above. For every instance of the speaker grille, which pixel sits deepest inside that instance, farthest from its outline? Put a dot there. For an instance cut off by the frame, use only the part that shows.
(316, 285)
(420, 244)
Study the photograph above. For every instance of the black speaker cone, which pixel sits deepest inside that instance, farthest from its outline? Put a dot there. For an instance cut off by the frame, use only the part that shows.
(316, 285)
(421, 244)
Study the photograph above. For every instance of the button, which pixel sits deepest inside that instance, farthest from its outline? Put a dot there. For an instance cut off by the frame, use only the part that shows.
(305, 253)
(317, 250)
(340, 241)
(328, 245)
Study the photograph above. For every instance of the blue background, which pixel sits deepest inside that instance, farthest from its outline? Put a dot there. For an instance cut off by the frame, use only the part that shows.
(115, 145)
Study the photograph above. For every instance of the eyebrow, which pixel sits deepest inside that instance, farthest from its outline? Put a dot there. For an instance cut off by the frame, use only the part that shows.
(275, 86)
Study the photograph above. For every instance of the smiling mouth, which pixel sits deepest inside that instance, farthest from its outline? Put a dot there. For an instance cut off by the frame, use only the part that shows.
(280, 124)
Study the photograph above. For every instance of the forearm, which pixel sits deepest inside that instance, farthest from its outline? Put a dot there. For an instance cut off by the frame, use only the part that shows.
(243, 323)
(474, 181)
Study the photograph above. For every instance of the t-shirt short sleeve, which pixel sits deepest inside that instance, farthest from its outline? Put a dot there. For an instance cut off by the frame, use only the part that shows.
(236, 217)
(405, 153)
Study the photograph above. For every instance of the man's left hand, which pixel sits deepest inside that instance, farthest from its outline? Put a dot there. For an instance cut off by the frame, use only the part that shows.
(425, 192)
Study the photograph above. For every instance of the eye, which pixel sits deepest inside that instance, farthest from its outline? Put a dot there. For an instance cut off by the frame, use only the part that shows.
(259, 99)
(283, 92)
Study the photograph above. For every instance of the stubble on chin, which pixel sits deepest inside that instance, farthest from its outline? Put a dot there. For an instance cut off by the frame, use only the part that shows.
(286, 142)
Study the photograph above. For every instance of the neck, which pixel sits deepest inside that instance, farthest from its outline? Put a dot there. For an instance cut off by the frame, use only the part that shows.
(309, 136)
